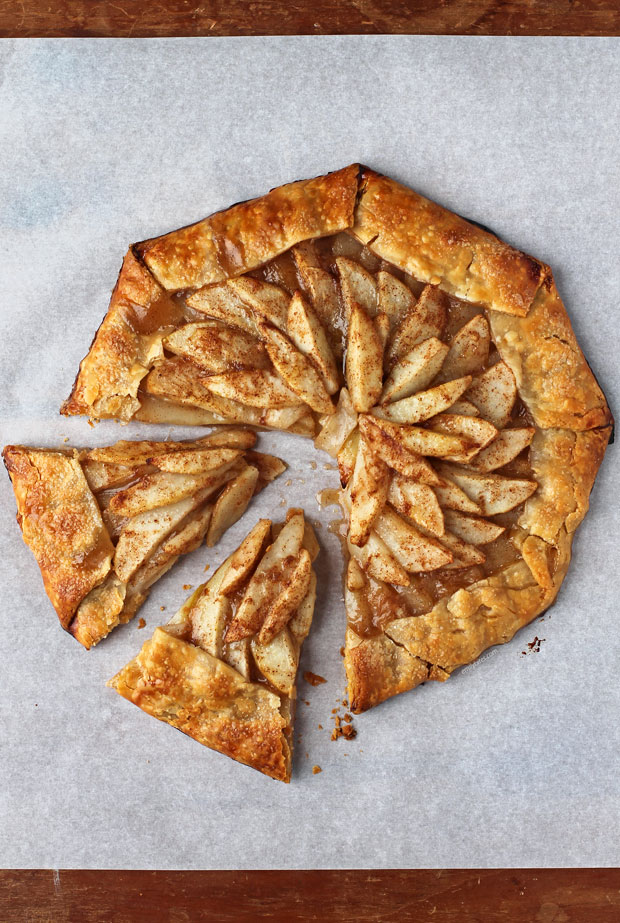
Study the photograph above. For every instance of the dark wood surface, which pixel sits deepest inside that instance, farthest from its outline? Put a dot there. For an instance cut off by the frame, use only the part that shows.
(309, 17)
(457, 896)
(514, 896)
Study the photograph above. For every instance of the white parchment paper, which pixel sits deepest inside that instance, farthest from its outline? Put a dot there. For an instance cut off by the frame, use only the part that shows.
(515, 760)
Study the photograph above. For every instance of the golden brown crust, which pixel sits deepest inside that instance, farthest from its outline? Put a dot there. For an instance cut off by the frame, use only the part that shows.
(243, 237)
(378, 668)
(435, 245)
(200, 695)
(553, 377)
(61, 523)
(119, 358)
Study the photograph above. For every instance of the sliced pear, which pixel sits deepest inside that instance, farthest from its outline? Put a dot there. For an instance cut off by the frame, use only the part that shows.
(415, 371)
(338, 427)
(380, 564)
(159, 410)
(469, 349)
(161, 489)
(104, 476)
(465, 408)
(395, 298)
(142, 534)
(385, 441)
(217, 347)
(195, 461)
(451, 497)
(305, 425)
(367, 489)
(266, 582)
(269, 301)
(307, 254)
(427, 318)
(355, 578)
(358, 286)
(179, 380)
(504, 448)
(285, 417)
(238, 656)
(296, 370)
(278, 661)
(257, 388)
(190, 535)
(494, 393)
(243, 561)
(382, 323)
(134, 454)
(480, 432)
(310, 542)
(269, 467)
(426, 404)
(299, 625)
(418, 502)
(423, 441)
(347, 456)
(364, 360)
(308, 334)
(321, 290)
(222, 302)
(492, 492)
(465, 555)
(232, 503)
(289, 599)
(416, 552)
(208, 618)
(472, 529)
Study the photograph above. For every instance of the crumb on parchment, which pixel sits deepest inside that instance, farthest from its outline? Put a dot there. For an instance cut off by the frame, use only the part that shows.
(141, 623)
(316, 770)
(314, 679)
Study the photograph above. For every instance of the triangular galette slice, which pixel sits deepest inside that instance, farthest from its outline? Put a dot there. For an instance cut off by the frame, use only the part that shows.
(105, 524)
(224, 669)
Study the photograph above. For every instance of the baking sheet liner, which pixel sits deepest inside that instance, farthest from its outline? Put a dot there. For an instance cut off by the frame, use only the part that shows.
(514, 760)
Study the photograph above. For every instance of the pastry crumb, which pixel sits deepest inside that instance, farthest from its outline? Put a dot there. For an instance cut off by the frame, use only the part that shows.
(207, 566)
(313, 465)
(316, 770)
(162, 608)
(188, 586)
(342, 651)
(533, 647)
(320, 727)
(314, 679)
(141, 623)
(288, 483)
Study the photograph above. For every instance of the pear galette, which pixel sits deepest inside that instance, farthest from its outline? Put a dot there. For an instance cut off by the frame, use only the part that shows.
(224, 669)
(105, 524)
(436, 363)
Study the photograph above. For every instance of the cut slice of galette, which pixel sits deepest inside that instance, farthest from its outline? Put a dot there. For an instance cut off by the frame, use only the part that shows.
(105, 524)
(224, 669)
(434, 361)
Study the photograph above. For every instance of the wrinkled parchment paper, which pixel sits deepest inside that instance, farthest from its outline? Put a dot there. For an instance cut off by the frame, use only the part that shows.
(514, 760)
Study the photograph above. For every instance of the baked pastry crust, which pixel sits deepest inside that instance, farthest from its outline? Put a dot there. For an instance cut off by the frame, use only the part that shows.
(188, 688)
(97, 561)
(530, 330)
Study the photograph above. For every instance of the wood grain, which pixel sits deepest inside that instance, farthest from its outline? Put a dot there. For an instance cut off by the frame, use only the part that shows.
(141, 18)
(516, 896)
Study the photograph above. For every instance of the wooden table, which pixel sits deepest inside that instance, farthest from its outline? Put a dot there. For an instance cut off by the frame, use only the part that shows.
(439, 896)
